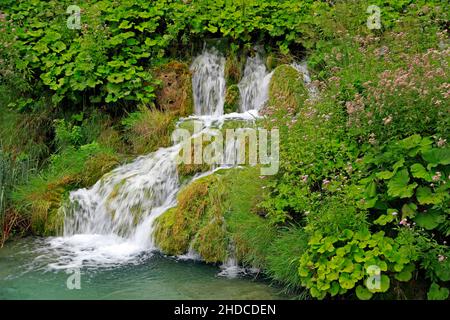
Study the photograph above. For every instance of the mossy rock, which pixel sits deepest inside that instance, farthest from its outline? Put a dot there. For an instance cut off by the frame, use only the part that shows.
(96, 166)
(232, 99)
(214, 210)
(176, 228)
(287, 91)
(188, 170)
(234, 66)
(175, 93)
(47, 219)
(169, 236)
(188, 124)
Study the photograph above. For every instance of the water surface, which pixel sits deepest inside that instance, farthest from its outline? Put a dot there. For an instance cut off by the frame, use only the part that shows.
(27, 271)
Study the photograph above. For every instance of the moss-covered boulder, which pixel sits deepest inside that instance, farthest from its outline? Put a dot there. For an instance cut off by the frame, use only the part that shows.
(224, 208)
(175, 92)
(232, 98)
(213, 211)
(287, 91)
(46, 217)
(188, 170)
(194, 217)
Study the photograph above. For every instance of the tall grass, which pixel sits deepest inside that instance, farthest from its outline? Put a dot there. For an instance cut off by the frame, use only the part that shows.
(12, 173)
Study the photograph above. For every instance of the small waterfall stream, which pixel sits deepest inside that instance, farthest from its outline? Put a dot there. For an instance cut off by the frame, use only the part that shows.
(111, 222)
(254, 86)
(208, 82)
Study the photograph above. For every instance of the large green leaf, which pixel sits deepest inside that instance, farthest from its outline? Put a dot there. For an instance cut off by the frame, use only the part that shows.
(362, 293)
(437, 293)
(442, 270)
(429, 220)
(437, 156)
(59, 46)
(398, 185)
(406, 274)
(411, 142)
(419, 171)
(51, 36)
(385, 175)
(426, 196)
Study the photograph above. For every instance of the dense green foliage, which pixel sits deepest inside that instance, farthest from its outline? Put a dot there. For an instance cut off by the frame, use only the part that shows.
(369, 159)
(364, 164)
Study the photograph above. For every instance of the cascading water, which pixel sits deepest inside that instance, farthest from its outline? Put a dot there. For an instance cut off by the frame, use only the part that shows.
(208, 82)
(254, 86)
(111, 222)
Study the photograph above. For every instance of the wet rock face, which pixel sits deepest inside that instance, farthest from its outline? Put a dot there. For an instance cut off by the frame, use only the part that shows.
(175, 92)
(232, 99)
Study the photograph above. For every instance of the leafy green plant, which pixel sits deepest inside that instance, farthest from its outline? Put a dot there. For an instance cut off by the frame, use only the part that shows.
(409, 182)
(336, 264)
(437, 293)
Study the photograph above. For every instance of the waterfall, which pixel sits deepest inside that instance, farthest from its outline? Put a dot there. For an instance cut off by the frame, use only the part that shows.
(121, 200)
(254, 86)
(112, 222)
(208, 82)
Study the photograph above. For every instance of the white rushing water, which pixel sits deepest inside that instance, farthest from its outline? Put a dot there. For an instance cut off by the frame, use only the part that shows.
(254, 86)
(112, 222)
(208, 82)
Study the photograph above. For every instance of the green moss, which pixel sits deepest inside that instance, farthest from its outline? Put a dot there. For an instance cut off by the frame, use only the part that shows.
(176, 228)
(186, 171)
(232, 99)
(211, 241)
(169, 236)
(224, 207)
(287, 91)
(46, 217)
(213, 210)
(188, 125)
(250, 232)
(96, 166)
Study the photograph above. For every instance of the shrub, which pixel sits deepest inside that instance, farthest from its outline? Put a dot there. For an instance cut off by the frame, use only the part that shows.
(409, 182)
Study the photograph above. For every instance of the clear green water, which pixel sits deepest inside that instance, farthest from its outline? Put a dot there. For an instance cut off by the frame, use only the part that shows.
(24, 274)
